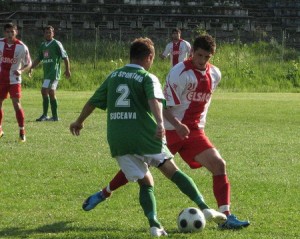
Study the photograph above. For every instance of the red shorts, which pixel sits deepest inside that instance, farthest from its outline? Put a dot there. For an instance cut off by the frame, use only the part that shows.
(188, 148)
(13, 90)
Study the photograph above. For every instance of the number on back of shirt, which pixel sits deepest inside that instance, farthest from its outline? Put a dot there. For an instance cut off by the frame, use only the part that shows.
(123, 100)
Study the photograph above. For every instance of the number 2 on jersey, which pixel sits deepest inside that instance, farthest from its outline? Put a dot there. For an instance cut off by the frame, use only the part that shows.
(122, 100)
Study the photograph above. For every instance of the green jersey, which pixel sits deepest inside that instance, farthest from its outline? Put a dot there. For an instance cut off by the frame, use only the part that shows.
(51, 53)
(131, 126)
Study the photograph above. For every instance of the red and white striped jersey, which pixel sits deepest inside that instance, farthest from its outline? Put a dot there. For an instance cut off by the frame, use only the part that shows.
(188, 92)
(178, 51)
(12, 58)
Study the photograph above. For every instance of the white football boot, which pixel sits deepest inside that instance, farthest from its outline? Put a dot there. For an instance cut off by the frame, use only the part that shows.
(157, 232)
(213, 215)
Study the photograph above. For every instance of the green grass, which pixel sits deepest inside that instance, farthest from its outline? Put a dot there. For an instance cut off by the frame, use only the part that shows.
(45, 180)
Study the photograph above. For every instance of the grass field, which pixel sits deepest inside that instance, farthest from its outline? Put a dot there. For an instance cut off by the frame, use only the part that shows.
(45, 180)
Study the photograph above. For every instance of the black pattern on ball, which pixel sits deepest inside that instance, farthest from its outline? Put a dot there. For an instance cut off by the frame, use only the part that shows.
(183, 223)
(192, 211)
(197, 224)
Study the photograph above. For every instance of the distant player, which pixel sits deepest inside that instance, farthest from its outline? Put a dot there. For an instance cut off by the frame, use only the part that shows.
(51, 53)
(178, 50)
(14, 60)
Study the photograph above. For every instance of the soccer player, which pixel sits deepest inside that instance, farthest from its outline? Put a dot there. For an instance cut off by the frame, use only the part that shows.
(51, 52)
(178, 49)
(132, 97)
(14, 60)
(188, 92)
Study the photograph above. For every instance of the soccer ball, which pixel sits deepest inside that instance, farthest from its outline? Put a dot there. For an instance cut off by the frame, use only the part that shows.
(191, 220)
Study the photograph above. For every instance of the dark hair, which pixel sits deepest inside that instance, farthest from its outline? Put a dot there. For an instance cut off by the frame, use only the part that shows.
(49, 27)
(205, 42)
(10, 25)
(141, 48)
(176, 30)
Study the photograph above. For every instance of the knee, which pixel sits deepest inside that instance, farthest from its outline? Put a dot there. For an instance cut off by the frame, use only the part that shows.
(219, 166)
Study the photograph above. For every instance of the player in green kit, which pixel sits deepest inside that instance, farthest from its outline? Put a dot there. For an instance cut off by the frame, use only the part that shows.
(135, 131)
(51, 53)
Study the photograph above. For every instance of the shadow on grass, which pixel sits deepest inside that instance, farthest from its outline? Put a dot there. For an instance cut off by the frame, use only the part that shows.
(55, 228)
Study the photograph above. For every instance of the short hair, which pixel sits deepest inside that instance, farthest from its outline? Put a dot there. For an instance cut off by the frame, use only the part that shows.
(177, 30)
(141, 48)
(205, 42)
(49, 27)
(10, 25)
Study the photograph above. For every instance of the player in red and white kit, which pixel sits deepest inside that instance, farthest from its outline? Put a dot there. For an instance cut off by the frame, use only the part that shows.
(14, 60)
(178, 49)
(188, 91)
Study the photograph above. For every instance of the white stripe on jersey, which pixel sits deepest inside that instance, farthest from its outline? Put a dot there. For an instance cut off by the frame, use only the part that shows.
(188, 101)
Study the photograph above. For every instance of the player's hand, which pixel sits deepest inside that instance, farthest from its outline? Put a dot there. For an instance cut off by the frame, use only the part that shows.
(183, 131)
(67, 74)
(17, 72)
(75, 128)
(30, 72)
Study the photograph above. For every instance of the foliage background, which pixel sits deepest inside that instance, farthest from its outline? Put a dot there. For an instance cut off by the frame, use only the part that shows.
(254, 67)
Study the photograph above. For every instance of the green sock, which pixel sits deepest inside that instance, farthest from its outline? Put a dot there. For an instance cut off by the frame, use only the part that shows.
(53, 104)
(148, 203)
(189, 188)
(45, 105)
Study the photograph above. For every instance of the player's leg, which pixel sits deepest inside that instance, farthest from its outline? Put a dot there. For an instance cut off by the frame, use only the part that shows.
(4, 89)
(212, 160)
(148, 203)
(136, 168)
(46, 100)
(92, 201)
(20, 116)
(15, 95)
(187, 186)
(53, 101)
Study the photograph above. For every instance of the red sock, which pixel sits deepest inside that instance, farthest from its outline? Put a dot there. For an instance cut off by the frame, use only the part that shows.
(221, 187)
(20, 117)
(118, 181)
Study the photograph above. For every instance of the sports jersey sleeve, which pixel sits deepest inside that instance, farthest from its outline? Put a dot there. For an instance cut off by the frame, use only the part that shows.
(26, 59)
(153, 87)
(173, 88)
(216, 76)
(188, 47)
(99, 98)
(167, 50)
(62, 50)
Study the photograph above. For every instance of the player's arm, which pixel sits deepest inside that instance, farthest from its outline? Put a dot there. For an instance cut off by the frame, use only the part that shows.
(76, 126)
(23, 68)
(34, 64)
(25, 62)
(165, 54)
(181, 129)
(162, 56)
(172, 96)
(156, 109)
(67, 67)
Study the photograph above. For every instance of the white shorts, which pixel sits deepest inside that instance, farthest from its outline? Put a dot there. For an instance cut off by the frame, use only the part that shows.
(48, 84)
(136, 166)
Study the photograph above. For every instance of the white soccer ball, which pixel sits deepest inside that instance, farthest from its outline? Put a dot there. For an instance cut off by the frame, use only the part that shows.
(191, 220)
